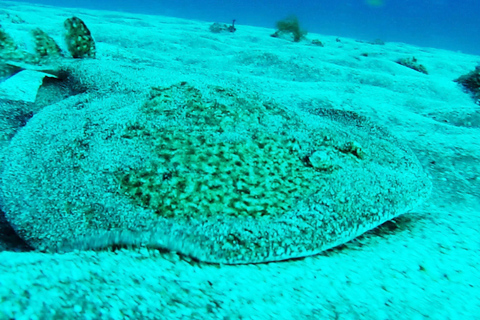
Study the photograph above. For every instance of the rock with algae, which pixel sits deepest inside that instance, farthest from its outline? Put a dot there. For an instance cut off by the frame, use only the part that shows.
(471, 82)
(216, 175)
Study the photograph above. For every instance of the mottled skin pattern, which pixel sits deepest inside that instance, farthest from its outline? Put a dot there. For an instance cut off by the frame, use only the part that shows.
(367, 178)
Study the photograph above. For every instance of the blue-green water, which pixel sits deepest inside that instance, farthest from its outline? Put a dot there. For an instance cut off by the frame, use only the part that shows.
(448, 24)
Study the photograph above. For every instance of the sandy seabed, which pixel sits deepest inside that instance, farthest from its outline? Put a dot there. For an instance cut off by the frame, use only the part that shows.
(423, 267)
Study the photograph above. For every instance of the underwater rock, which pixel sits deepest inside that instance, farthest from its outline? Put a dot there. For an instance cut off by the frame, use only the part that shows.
(219, 27)
(471, 82)
(205, 171)
(317, 42)
(413, 64)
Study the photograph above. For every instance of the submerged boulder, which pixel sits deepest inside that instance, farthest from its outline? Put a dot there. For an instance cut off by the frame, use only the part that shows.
(471, 82)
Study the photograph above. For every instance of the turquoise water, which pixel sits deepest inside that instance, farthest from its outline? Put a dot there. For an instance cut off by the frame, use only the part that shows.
(448, 24)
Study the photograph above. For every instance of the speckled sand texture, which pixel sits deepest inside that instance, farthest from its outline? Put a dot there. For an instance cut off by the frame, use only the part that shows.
(422, 265)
